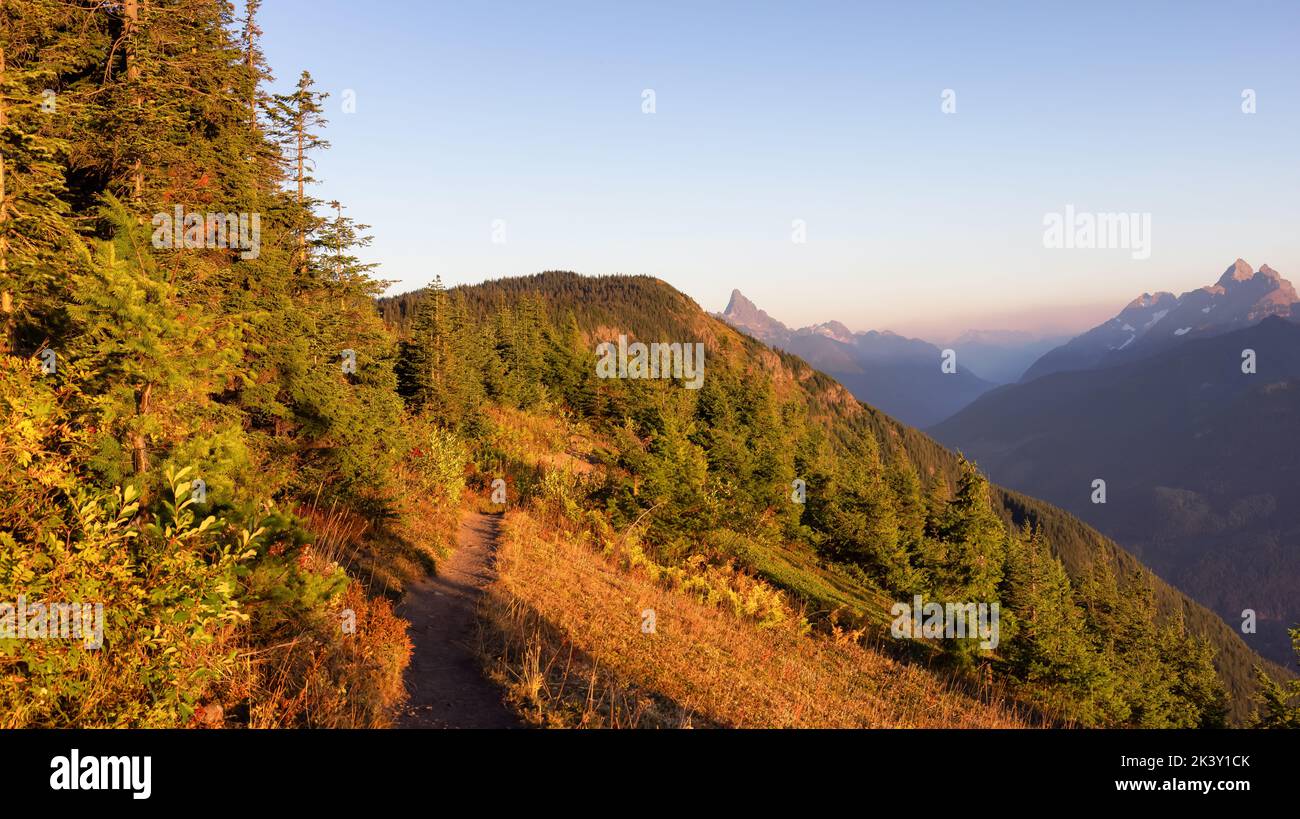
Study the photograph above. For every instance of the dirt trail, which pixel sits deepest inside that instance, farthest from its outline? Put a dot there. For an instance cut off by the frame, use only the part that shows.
(444, 679)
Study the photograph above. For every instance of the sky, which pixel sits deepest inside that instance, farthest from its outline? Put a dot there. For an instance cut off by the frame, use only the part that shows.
(502, 139)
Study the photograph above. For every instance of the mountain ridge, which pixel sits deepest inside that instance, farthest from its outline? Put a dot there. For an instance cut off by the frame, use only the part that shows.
(1155, 321)
(1197, 456)
(900, 375)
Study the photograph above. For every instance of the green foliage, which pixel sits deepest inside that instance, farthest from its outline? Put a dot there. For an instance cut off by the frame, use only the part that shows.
(1278, 704)
(707, 474)
(202, 363)
(437, 459)
(183, 364)
(167, 590)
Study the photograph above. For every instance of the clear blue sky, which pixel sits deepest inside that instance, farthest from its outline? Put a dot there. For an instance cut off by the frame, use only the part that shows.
(918, 221)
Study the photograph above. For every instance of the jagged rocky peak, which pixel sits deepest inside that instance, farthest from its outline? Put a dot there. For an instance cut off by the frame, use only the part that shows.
(1238, 271)
(1148, 301)
(739, 306)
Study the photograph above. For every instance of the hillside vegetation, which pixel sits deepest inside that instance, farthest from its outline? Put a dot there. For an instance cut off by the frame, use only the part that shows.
(179, 442)
(1199, 461)
(569, 640)
(231, 447)
(704, 478)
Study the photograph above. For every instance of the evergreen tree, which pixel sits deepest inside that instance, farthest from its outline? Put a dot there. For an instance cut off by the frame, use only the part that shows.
(426, 354)
(909, 505)
(1277, 705)
(148, 370)
(1044, 641)
(38, 247)
(295, 121)
(975, 539)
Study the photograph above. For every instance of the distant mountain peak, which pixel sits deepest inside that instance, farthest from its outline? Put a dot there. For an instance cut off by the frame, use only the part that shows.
(745, 315)
(1238, 271)
(899, 376)
(1148, 300)
(739, 305)
(830, 329)
(1242, 296)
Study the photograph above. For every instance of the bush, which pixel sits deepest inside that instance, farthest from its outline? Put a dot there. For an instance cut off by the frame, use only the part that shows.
(195, 612)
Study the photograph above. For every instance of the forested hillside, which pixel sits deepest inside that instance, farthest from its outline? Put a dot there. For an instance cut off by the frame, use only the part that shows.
(210, 430)
(1198, 458)
(888, 513)
(180, 441)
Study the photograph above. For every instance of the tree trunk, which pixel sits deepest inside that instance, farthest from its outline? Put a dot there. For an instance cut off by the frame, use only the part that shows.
(131, 10)
(302, 233)
(139, 448)
(250, 61)
(6, 297)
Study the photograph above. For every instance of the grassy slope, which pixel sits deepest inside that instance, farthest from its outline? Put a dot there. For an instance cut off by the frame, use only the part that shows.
(566, 639)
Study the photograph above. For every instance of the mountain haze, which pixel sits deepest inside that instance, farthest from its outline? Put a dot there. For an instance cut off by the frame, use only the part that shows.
(1200, 461)
(1002, 356)
(902, 376)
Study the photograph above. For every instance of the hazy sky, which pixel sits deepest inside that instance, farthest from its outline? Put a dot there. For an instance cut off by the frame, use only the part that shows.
(915, 220)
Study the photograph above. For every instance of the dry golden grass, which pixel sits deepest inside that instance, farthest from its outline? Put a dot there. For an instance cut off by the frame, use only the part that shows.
(563, 632)
(324, 678)
(320, 673)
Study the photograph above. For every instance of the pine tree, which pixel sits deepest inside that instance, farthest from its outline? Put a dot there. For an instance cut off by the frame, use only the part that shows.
(853, 511)
(1200, 699)
(425, 355)
(676, 476)
(1043, 635)
(38, 246)
(146, 368)
(975, 542)
(333, 247)
(570, 365)
(1277, 704)
(905, 486)
(296, 119)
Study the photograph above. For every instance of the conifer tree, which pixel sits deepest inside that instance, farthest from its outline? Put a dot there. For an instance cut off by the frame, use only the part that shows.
(295, 122)
(1199, 698)
(1277, 705)
(909, 505)
(975, 542)
(146, 368)
(570, 365)
(38, 245)
(1044, 641)
(423, 368)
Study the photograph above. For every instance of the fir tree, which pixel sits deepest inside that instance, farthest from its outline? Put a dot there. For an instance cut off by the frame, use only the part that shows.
(1277, 705)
